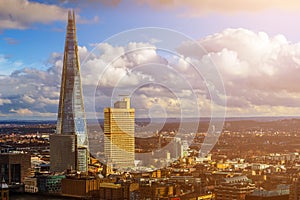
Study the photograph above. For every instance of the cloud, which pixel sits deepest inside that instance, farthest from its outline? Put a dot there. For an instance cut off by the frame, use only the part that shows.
(259, 71)
(31, 92)
(4, 101)
(7, 65)
(35, 92)
(255, 60)
(28, 99)
(25, 112)
(193, 7)
(113, 64)
(90, 2)
(260, 74)
(202, 7)
(22, 111)
(21, 14)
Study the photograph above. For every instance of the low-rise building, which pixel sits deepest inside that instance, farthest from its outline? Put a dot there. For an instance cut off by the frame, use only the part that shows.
(280, 193)
(115, 191)
(49, 184)
(295, 189)
(234, 188)
(80, 188)
(14, 167)
(31, 185)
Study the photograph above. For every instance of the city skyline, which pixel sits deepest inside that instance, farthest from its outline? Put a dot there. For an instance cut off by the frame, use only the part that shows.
(254, 47)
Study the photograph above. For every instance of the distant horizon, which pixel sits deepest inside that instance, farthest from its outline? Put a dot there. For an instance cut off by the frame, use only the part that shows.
(171, 119)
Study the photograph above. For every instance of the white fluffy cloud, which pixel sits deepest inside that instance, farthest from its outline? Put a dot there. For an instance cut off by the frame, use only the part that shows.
(111, 64)
(30, 92)
(201, 7)
(20, 14)
(4, 101)
(198, 7)
(91, 2)
(7, 66)
(260, 76)
(258, 71)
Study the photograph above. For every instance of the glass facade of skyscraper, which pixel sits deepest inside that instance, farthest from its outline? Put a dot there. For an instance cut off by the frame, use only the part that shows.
(71, 116)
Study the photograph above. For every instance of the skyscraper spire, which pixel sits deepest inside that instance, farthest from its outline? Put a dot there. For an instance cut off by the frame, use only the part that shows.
(71, 116)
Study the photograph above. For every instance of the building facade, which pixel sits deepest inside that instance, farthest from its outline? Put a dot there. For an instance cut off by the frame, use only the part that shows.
(14, 167)
(234, 188)
(71, 122)
(90, 188)
(119, 134)
(281, 192)
(62, 152)
(49, 184)
(295, 189)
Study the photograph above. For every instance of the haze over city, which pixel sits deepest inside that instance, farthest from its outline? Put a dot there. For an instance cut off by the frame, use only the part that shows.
(254, 46)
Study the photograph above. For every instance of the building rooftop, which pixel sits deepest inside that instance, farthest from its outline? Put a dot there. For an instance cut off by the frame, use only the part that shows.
(280, 190)
(237, 179)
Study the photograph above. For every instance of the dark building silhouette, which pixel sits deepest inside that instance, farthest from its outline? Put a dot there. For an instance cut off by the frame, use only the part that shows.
(14, 167)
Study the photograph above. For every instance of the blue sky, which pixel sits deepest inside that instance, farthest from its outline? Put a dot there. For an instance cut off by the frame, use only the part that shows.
(32, 45)
(234, 35)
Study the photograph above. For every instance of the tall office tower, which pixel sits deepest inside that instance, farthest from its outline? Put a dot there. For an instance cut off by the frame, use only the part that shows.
(175, 148)
(69, 148)
(119, 134)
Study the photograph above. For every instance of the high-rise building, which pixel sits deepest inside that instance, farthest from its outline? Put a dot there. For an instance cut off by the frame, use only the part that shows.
(176, 148)
(119, 134)
(69, 148)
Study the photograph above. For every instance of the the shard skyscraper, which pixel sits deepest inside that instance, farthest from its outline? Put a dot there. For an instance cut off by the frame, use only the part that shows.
(69, 148)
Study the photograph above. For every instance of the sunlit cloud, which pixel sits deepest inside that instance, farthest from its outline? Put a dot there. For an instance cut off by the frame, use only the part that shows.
(260, 74)
(259, 71)
(204, 7)
(88, 2)
(21, 14)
